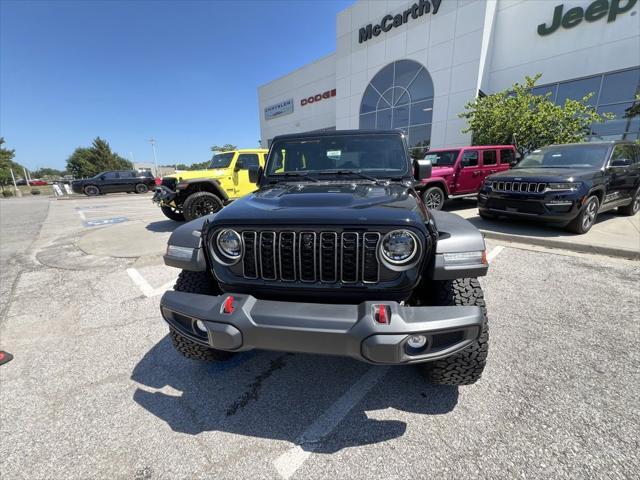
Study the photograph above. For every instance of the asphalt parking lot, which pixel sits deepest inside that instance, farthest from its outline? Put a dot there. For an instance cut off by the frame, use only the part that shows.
(96, 390)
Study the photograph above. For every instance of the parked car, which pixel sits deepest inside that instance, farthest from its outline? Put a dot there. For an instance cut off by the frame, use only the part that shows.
(335, 253)
(459, 172)
(193, 193)
(115, 182)
(37, 183)
(567, 184)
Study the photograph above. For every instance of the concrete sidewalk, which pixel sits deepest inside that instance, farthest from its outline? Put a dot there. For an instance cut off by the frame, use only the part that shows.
(612, 235)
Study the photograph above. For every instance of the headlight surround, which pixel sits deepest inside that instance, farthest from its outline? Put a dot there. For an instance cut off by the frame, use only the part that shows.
(564, 186)
(399, 248)
(229, 244)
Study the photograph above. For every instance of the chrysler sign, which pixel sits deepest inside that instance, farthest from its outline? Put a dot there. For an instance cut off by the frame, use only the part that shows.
(390, 21)
(283, 108)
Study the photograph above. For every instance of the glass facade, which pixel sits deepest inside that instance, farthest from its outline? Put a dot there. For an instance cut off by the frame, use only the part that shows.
(400, 96)
(611, 93)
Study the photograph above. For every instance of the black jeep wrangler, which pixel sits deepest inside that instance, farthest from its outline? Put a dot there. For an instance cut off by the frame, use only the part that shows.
(335, 253)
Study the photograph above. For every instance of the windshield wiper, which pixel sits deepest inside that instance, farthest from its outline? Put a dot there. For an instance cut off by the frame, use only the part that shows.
(357, 173)
(304, 175)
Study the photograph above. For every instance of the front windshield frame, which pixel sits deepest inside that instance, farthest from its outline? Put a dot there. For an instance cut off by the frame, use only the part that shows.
(222, 163)
(275, 169)
(598, 153)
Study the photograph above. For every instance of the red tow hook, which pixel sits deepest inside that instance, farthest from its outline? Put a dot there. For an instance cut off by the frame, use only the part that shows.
(383, 314)
(227, 306)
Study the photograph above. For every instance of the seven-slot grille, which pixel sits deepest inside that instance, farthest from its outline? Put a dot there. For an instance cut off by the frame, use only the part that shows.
(523, 187)
(306, 256)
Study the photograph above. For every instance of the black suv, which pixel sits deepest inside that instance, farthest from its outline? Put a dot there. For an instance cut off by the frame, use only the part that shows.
(335, 253)
(567, 184)
(115, 182)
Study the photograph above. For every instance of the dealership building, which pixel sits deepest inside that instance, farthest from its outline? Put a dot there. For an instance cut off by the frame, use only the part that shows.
(413, 65)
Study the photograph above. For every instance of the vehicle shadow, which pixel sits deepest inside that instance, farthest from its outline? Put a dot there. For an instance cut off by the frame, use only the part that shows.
(460, 204)
(533, 229)
(282, 399)
(163, 226)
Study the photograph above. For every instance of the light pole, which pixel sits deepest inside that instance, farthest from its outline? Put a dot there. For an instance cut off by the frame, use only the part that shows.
(155, 160)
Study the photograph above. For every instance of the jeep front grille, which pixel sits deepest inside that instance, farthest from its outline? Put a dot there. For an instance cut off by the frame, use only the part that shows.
(306, 256)
(519, 187)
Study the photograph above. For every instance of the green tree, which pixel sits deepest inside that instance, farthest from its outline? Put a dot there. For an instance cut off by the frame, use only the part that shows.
(7, 163)
(200, 165)
(224, 148)
(87, 162)
(47, 172)
(529, 121)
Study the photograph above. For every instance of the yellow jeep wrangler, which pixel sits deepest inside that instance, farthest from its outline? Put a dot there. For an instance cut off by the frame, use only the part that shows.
(193, 193)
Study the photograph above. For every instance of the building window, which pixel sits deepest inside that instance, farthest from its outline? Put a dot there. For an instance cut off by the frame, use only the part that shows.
(400, 96)
(612, 93)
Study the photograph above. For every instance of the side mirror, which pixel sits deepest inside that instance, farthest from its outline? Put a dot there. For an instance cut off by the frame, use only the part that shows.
(239, 165)
(255, 174)
(620, 162)
(422, 169)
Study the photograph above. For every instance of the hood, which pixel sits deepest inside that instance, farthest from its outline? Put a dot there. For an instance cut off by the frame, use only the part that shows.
(441, 171)
(544, 174)
(328, 203)
(189, 174)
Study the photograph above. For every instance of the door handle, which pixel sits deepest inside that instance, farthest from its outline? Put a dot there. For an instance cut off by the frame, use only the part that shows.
(475, 174)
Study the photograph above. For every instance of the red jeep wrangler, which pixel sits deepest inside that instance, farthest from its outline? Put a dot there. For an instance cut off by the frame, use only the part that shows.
(459, 172)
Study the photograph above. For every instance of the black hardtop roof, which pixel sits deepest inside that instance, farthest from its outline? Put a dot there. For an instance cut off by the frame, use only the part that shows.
(336, 133)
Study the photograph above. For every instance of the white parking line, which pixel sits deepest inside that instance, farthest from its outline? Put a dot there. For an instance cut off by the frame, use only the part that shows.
(143, 285)
(289, 462)
(494, 253)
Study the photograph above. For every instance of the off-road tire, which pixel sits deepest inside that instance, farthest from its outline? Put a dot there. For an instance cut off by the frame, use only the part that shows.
(141, 188)
(195, 351)
(199, 204)
(433, 198)
(91, 191)
(633, 207)
(466, 366)
(586, 218)
(204, 284)
(172, 214)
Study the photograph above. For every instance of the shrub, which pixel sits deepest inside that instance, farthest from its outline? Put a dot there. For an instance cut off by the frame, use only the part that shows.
(7, 193)
(35, 191)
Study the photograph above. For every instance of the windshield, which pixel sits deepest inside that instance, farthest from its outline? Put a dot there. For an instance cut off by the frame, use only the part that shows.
(442, 159)
(566, 156)
(222, 160)
(375, 155)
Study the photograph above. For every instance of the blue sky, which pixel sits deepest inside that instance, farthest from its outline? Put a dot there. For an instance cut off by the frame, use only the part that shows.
(184, 73)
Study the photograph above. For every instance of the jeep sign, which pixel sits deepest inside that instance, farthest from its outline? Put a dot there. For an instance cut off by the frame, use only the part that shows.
(595, 11)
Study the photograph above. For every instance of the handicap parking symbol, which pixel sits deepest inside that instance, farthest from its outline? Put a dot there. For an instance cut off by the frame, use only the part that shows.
(105, 221)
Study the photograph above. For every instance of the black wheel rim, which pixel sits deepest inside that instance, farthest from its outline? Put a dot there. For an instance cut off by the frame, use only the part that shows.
(141, 188)
(636, 202)
(590, 212)
(91, 190)
(433, 199)
(205, 207)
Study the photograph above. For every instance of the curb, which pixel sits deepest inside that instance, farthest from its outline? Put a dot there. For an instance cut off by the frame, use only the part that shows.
(575, 247)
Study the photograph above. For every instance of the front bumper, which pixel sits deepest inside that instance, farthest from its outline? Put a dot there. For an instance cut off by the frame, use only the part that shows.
(346, 330)
(163, 195)
(553, 208)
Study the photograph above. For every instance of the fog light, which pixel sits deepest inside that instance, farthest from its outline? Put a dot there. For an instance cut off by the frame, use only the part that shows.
(201, 326)
(417, 341)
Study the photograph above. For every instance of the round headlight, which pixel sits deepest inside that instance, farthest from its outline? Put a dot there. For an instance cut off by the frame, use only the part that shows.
(230, 243)
(399, 246)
